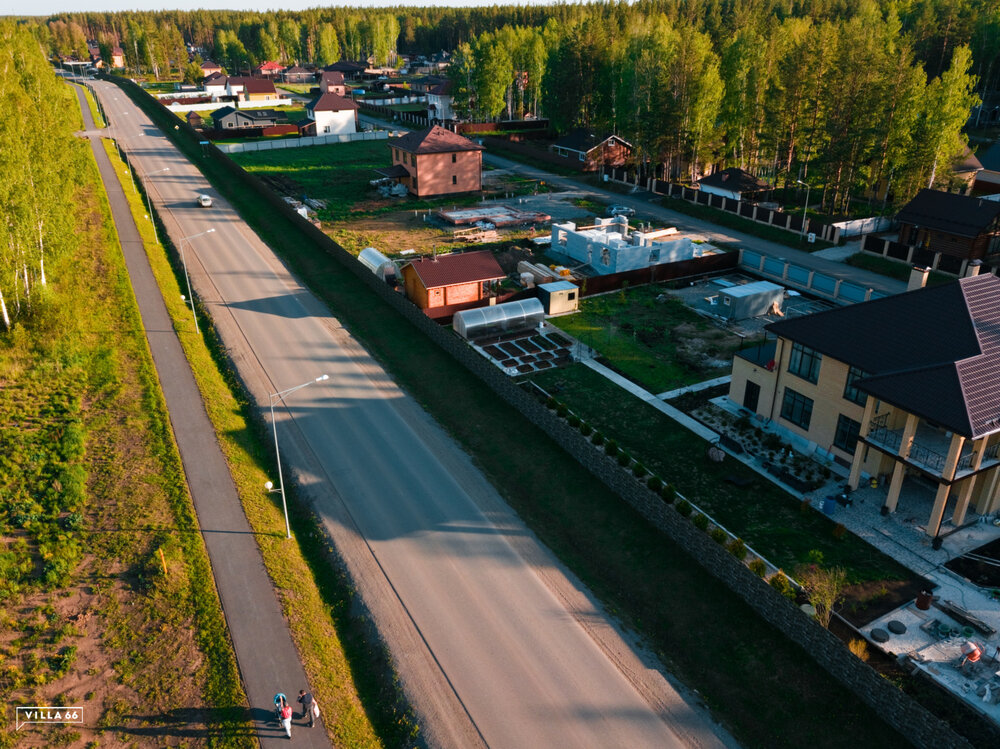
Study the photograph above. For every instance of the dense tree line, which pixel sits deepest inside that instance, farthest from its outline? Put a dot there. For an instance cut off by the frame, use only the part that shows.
(847, 94)
(41, 161)
(845, 104)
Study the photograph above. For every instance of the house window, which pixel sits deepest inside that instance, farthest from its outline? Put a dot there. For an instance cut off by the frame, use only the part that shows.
(229, 124)
(804, 362)
(454, 180)
(454, 158)
(846, 437)
(583, 156)
(571, 296)
(850, 391)
(796, 408)
(605, 256)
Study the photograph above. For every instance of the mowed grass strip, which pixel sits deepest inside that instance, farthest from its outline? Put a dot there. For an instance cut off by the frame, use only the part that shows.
(760, 685)
(314, 598)
(90, 617)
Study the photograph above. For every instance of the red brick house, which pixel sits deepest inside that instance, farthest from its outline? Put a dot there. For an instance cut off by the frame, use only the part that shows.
(444, 284)
(332, 83)
(435, 162)
(588, 152)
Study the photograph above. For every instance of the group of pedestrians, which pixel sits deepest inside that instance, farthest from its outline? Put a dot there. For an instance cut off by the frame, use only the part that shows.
(283, 711)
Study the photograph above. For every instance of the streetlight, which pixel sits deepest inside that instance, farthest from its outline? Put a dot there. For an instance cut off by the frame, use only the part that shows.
(281, 481)
(188, 278)
(802, 231)
(149, 205)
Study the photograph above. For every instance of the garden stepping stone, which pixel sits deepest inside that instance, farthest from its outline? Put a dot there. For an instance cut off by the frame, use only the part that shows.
(896, 627)
(880, 635)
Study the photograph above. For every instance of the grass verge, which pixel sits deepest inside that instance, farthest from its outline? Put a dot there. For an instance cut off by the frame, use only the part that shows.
(762, 681)
(314, 598)
(893, 268)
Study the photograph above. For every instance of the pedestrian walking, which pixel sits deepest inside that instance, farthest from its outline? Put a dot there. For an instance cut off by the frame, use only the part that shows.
(286, 719)
(309, 706)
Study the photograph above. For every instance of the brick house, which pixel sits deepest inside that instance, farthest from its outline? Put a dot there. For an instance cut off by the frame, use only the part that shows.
(950, 224)
(332, 83)
(445, 284)
(902, 389)
(588, 152)
(435, 162)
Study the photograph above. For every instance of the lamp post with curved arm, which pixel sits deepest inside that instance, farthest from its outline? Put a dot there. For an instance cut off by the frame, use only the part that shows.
(281, 481)
(802, 231)
(187, 278)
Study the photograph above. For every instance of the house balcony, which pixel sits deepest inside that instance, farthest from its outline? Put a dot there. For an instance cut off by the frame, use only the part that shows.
(929, 449)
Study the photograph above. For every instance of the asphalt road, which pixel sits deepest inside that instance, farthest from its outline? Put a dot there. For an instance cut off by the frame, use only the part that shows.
(495, 643)
(265, 653)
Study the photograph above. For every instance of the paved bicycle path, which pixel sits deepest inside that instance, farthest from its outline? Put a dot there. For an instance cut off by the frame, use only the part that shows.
(267, 658)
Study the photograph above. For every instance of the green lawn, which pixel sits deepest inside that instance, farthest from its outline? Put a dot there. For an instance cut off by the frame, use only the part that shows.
(660, 345)
(766, 517)
(296, 88)
(893, 268)
(641, 577)
(338, 173)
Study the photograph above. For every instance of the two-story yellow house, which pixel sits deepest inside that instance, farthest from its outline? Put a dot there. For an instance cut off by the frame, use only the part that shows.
(907, 384)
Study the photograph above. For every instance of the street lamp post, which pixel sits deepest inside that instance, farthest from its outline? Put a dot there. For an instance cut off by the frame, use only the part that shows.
(802, 231)
(149, 205)
(274, 426)
(187, 278)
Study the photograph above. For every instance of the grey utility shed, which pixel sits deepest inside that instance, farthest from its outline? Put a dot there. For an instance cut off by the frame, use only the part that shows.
(559, 297)
(750, 300)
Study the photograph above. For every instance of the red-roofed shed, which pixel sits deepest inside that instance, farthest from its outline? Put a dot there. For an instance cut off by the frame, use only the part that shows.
(444, 284)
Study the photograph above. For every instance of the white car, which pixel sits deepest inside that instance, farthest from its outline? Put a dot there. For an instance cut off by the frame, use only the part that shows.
(621, 210)
(205, 201)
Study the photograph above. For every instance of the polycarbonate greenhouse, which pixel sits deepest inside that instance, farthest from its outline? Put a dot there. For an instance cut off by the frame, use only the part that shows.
(377, 263)
(502, 318)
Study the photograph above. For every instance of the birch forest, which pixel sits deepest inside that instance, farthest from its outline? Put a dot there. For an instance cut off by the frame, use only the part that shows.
(41, 163)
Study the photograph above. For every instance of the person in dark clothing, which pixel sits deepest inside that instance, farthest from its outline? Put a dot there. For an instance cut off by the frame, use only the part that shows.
(306, 700)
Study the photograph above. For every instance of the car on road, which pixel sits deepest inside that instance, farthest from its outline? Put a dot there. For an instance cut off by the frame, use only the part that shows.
(205, 201)
(621, 210)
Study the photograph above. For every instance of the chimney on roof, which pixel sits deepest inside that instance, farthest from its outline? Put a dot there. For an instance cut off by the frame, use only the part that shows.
(918, 277)
(973, 268)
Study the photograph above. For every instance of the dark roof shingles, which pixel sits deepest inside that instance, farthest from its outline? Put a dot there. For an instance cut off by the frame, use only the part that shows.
(934, 352)
(959, 215)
